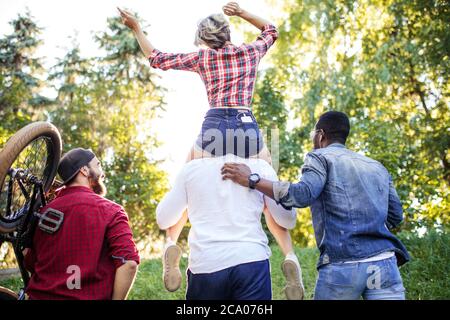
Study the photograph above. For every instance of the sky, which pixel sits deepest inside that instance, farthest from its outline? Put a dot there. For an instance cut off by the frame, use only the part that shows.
(172, 28)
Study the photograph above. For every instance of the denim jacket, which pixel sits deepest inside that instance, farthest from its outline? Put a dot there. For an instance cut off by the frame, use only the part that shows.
(353, 203)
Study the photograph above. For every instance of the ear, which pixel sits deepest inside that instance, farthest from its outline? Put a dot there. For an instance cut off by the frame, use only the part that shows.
(321, 138)
(84, 171)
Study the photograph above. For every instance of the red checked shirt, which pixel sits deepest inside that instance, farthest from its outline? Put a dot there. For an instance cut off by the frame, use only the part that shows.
(229, 73)
(92, 242)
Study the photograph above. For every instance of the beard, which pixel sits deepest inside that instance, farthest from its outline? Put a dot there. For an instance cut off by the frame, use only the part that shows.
(97, 184)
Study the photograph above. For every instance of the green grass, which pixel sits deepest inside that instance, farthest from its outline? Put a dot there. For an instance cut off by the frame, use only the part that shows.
(425, 277)
(149, 283)
(14, 284)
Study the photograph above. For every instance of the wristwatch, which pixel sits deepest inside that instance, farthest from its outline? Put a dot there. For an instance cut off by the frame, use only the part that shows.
(253, 179)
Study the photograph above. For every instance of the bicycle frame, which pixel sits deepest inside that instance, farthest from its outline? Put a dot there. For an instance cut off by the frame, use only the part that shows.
(23, 235)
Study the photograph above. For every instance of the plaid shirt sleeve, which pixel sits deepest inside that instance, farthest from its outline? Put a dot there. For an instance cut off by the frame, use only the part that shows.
(120, 240)
(266, 39)
(177, 61)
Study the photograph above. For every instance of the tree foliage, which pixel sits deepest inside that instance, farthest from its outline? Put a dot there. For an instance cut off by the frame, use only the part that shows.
(20, 73)
(106, 103)
(384, 63)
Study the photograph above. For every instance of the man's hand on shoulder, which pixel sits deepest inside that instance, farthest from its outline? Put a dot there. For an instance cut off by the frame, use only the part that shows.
(236, 172)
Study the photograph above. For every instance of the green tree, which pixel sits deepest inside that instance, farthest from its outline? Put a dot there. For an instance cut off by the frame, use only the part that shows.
(20, 87)
(384, 63)
(20, 71)
(108, 103)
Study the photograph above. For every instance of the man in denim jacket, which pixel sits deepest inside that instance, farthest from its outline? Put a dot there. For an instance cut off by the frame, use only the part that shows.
(354, 205)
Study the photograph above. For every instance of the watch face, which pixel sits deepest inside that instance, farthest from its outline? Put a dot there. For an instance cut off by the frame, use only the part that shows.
(254, 177)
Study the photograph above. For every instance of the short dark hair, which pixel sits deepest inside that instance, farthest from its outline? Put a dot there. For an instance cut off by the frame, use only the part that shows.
(336, 126)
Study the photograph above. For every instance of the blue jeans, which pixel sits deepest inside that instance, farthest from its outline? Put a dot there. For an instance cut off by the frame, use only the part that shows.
(377, 280)
(230, 130)
(248, 281)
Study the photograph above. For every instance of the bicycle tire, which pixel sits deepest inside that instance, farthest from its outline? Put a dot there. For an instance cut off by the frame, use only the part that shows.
(14, 146)
(7, 294)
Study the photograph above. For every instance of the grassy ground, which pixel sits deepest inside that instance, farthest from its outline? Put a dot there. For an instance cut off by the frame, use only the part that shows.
(149, 285)
(425, 277)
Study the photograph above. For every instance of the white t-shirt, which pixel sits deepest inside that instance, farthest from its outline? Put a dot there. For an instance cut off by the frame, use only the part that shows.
(378, 257)
(225, 217)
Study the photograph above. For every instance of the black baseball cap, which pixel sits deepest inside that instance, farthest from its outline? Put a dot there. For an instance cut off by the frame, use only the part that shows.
(71, 163)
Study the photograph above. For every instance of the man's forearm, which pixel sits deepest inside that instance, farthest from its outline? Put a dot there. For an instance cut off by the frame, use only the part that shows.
(299, 197)
(239, 173)
(124, 279)
(289, 195)
(144, 43)
(265, 186)
(258, 22)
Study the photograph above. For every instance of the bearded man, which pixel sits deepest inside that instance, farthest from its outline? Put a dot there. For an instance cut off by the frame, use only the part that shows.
(83, 246)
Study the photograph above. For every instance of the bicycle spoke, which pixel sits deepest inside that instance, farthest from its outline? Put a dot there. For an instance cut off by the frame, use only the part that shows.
(24, 191)
(34, 160)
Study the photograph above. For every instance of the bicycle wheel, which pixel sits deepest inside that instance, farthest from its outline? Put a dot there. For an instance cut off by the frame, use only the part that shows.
(6, 294)
(34, 151)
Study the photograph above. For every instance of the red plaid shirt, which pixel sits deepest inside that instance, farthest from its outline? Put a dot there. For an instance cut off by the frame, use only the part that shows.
(229, 73)
(94, 237)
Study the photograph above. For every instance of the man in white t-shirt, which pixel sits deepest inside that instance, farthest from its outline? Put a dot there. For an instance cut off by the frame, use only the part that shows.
(229, 252)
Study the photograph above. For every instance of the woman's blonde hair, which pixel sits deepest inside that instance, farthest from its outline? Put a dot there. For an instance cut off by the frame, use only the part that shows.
(213, 31)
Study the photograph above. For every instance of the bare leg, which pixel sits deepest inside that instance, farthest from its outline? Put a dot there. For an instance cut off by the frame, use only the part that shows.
(196, 153)
(173, 232)
(264, 154)
(281, 235)
(292, 271)
(172, 254)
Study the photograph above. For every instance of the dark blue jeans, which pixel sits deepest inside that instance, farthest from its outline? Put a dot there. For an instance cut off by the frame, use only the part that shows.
(248, 281)
(376, 280)
(230, 130)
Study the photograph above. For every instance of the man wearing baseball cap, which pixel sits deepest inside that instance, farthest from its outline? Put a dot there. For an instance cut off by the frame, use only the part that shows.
(83, 246)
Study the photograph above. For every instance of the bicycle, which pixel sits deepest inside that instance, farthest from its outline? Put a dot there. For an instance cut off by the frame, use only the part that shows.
(28, 164)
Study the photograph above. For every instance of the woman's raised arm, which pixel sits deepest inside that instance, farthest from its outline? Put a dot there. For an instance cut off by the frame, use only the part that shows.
(233, 9)
(131, 22)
